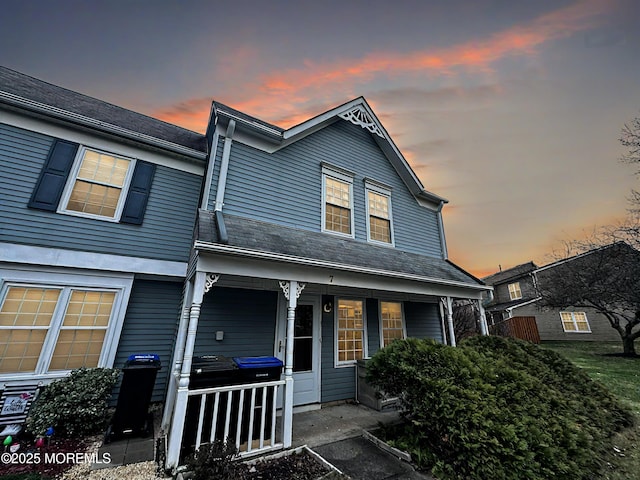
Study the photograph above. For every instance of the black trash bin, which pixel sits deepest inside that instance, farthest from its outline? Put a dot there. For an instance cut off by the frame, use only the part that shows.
(207, 372)
(132, 417)
(255, 370)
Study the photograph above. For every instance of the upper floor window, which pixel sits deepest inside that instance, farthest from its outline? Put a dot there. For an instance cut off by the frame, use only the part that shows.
(379, 227)
(96, 185)
(392, 324)
(81, 181)
(575, 322)
(514, 291)
(337, 202)
(350, 331)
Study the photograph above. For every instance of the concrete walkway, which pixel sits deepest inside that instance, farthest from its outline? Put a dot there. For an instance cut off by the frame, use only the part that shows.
(336, 434)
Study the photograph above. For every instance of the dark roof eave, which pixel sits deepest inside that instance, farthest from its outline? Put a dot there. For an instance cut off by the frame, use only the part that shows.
(251, 253)
(75, 118)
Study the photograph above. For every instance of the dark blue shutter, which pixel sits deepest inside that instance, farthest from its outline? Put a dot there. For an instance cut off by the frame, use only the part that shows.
(138, 195)
(53, 177)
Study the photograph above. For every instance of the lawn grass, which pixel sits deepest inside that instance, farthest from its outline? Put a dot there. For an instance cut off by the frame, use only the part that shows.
(622, 377)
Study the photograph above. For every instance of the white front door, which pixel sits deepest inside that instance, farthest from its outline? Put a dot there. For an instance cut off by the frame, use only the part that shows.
(306, 349)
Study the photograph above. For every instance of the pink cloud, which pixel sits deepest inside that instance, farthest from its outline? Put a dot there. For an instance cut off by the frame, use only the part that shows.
(282, 95)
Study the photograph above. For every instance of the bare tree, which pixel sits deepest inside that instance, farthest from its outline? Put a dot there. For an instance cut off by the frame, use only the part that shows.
(466, 318)
(605, 277)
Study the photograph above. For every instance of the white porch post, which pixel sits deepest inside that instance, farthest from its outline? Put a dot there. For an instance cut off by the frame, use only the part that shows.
(484, 329)
(202, 284)
(452, 335)
(178, 354)
(291, 290)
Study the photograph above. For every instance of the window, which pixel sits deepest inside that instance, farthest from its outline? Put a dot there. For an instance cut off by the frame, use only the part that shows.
(378, 212)
(337, 204)
(575, 322)
(58, 326)
(86, 182)
(350, 331)
(514, 291)
(392, 323)
(96, 184)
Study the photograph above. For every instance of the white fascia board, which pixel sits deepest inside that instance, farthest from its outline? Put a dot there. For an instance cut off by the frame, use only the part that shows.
(303, 129)
(237, 252)
(56, 257)
(99, 142)
(330, 277)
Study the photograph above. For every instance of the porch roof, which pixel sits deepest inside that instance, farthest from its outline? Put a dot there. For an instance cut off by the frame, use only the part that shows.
(259, 236)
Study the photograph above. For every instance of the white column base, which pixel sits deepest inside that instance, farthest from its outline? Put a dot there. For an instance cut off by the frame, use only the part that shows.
(287, 412)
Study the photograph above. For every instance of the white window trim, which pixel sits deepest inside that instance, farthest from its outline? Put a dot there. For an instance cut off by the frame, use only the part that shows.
(380, 189)
(575, 324)
(73, 175)
(404, 322)
(344, 176)
(55, 278)
(514, 297)
(365, 344)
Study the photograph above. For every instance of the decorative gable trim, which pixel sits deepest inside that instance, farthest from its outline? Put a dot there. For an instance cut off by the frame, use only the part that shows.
(359, 116)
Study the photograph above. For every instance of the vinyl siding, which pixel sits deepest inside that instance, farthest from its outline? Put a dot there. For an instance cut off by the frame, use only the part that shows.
(286, 187)
(337, 383)
(150, 326)
(550, 325)
(423, 320)
(247, 318)
(165, 234)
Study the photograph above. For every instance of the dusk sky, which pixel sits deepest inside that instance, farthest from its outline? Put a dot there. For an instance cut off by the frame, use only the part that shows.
(510, 109)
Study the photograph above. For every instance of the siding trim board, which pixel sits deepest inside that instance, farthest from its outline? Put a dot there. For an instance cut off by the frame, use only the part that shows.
(56, 257)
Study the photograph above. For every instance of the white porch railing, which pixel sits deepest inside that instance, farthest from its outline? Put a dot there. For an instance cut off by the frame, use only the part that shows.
(245, 414)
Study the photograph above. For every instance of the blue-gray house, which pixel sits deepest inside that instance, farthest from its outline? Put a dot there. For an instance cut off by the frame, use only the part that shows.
(316, 244)
(97, 209)
(122, 234)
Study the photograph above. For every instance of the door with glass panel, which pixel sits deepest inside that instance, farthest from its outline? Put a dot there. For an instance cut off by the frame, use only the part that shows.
(306, 350)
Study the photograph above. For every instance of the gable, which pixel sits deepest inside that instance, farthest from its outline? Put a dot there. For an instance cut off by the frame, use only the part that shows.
(285, 186)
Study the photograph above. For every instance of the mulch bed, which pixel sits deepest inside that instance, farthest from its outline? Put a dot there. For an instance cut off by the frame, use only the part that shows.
(297, 466)
(48, 461)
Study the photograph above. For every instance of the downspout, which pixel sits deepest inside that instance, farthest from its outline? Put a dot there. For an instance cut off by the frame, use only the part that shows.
(443, 240)
(222, 183)
(209, 172)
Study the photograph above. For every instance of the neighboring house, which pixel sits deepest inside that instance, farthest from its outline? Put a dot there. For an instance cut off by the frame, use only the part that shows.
(123, 234)
(97, 210)
(317, 244)
(516, 294)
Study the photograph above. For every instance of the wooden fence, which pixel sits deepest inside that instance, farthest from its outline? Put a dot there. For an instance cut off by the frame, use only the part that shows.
(524, 328)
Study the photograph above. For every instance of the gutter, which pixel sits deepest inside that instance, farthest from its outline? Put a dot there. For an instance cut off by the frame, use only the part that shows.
(312, 262)
(48, 110)
(222, 183)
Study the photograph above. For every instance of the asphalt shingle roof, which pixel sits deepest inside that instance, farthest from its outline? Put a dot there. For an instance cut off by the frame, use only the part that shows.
(268, 237)
(510, 273)
(36, 90)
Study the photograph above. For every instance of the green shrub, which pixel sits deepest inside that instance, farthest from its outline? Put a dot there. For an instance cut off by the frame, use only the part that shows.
(75, 405)
(497, 409)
